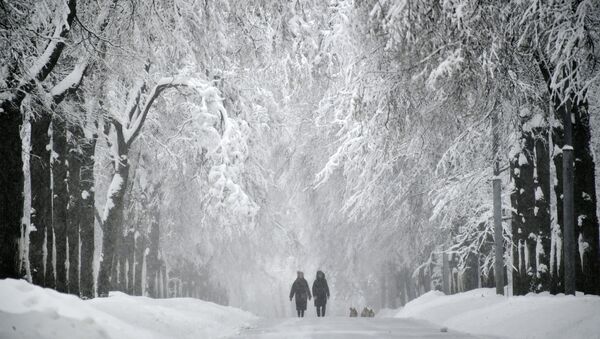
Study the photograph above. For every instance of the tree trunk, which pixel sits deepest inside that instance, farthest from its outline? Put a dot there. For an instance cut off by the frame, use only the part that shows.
(130, 254)
(497, 205)
(11, 166)
(471, 272)
(11, 194)
(74, 207)
(588, 273)
(140, 248)
(122, 269)
(568, 207)
(153, 246)
(557, 269)
(60, 199)
(41, 196)
(542, 209)
(382, 286)
(87, 219)
(445, 274)
(410, 291)
(523, 201)
(165, 280)
(113, 221)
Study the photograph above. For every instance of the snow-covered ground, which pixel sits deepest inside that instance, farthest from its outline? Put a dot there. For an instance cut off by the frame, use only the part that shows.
(347, 328)
(482, 312)
(28, 311)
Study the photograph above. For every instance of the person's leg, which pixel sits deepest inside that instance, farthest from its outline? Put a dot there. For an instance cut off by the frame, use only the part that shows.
(302, 314)
(318, 311)
(323, 310)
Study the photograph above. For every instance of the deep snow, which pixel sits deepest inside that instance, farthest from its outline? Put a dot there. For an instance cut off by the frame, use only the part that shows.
(28, 311)
(483, 312)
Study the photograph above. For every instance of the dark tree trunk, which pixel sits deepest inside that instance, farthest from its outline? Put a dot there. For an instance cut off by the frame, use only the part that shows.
(11, 166)
(587, 261)
(523, 201)
(117, 280)
(60, 199)
(542, 220)
(153, 263)
(130, 254)
(425, 279)
(74, 207)
(586, 226)
(568, 203)
(165, 280)
(11, 194)
(401, 283)
(383, 287)
(140, 249)
(557, 261)
(113, 220)
(557, 269)
(497, 209)
(50, 278)
(445, 274)
(410, 291)
(121, 277)
(41, 196)
(113, 214)
(471, 273)
(86, 221)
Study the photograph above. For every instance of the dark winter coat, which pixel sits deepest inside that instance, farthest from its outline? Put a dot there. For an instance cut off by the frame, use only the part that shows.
(301, 291)
(320, 289)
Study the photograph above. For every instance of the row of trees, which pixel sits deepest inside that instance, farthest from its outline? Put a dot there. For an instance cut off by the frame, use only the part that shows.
(152, 155)
(80, 82)
(436, 99)
(404, 111)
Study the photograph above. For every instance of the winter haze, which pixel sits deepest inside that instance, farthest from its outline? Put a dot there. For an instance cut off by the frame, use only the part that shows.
(184, 168)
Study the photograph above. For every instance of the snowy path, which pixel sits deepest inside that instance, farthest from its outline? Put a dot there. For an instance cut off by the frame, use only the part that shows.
(349, 328)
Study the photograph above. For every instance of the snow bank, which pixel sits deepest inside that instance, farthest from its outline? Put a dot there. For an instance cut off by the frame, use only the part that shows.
(28, 311)
(482, 312)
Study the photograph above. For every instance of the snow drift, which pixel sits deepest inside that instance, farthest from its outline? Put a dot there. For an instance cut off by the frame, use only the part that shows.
(29, 311)
(483, 312)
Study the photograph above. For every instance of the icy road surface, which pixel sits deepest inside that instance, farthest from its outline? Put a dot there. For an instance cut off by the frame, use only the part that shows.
(347, 328)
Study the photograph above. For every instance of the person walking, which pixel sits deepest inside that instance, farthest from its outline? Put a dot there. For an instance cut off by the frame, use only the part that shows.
(320, 291)
(301, 291)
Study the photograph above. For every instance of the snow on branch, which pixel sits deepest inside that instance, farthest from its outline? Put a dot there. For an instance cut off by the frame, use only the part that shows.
(133, 103)
(135, 123)
(72, 80)
(46, 62)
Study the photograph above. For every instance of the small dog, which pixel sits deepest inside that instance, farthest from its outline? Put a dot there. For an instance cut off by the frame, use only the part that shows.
(367, 313)
(353, 312)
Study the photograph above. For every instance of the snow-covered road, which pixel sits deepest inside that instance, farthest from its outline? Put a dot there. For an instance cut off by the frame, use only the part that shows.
(347, 328)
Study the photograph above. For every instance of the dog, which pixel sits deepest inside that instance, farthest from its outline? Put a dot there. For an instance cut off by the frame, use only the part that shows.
(353, 312)
(367, 313)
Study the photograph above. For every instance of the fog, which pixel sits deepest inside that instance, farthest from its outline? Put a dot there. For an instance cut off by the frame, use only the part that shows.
(211, 150)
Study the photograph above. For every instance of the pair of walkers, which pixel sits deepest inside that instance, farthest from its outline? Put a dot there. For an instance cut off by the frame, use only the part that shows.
(320, 291)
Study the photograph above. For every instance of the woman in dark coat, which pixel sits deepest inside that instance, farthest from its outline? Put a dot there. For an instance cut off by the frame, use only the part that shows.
(320, 291)
(301, 291)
